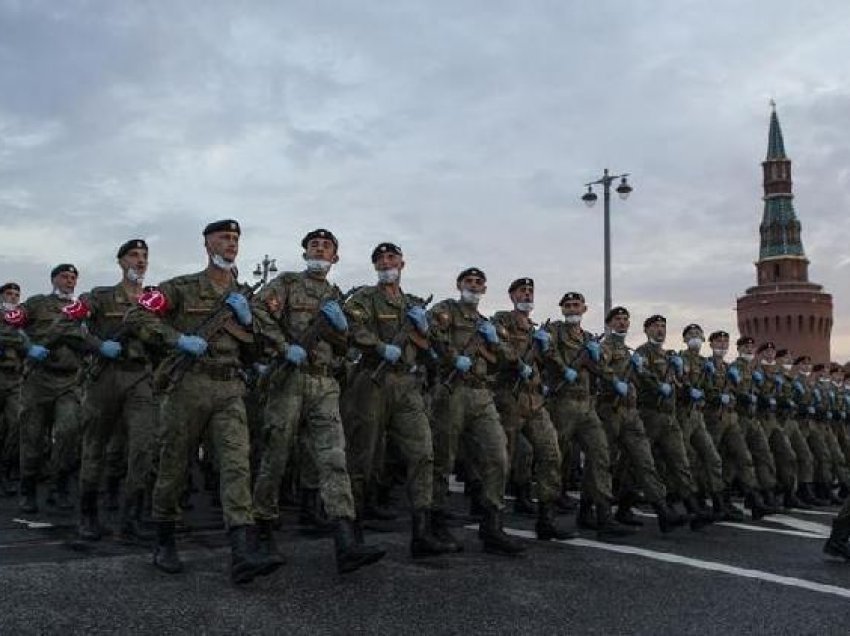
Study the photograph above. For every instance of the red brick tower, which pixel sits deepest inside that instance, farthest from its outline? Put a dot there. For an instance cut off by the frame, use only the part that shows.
(784, 306)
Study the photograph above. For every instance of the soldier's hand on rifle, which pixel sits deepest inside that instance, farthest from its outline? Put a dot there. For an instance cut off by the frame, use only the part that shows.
(239, 305)
(336, 317)
(525, 371)
(621, 388)
(110, 349)
(665, 389)
(389, 352)
(295, 354)
(779, 379)
(419, 317)
(542, 338)
(677, 363)
(758, 377)
(734, 375)
(570, 375)
(37, 352)
(637, 361)
(488, 332)
(463, 363)
(709, 368)
(193, 345)
(696, 394)
(725, 399)
(594, 349)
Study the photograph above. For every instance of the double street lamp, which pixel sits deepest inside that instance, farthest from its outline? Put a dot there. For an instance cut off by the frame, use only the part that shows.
(264, 268)
(589, 198)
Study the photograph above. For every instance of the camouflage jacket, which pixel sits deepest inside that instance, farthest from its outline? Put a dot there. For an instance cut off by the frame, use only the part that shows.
(566, 350)
(453, 329)
(656, 371)
(107, 307)
(50, 323)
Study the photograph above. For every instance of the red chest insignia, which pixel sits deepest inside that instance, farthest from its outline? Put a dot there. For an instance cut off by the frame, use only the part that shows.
(154, 301)
(16, 317)
(76, 310)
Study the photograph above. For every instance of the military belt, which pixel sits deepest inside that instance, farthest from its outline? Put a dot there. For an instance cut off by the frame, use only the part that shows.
(218, 372)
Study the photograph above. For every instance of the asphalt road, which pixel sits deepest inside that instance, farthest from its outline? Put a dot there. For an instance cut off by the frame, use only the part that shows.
(768, 577)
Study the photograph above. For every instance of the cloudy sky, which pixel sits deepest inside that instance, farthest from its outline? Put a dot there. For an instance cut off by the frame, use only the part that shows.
(461, 130)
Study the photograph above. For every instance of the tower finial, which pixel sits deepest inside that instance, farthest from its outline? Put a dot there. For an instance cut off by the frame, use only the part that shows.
(772, 105)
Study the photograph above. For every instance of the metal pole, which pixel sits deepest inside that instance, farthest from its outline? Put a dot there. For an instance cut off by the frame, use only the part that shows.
(606, 187)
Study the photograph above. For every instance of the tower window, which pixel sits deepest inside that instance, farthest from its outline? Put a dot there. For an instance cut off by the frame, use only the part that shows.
(788, 324)
(800, 323)
(811, 324)
(776, 272)
(776, 323)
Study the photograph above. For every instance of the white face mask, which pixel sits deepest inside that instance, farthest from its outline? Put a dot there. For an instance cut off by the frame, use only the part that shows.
(694, 344)
(805, 374)
(526, 307)
(619, 334)
(386, 276)
(7, 306)
(134, 277)
(63, 295)
(471, 297)
(748, 356)
(657, 342)
(787, 367)
(318, 266)
(720, 352)
(221, 262)
(572, 319)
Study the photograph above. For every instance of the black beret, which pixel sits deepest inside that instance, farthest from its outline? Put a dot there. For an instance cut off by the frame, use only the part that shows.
(519, 282)
(321, 234)
(64, 267)
(819, 367)
(225, 225)
(764, 346)
(616, 311)
(132, 244)
(718, 334)
(782, 353)
(653, 319)
(803, 360)
(745, 340)
(385, 248)
(693, 325)
(471, 271)
(571, 296)
(14, 286)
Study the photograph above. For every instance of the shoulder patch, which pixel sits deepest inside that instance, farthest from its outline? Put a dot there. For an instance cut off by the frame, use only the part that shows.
(154, 301)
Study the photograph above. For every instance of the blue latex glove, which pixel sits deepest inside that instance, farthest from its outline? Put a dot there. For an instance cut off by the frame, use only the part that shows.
(570, 375)
(488, 332)
(798, 387)
(37, 352)
(709, 368)
(419, 317)
(734, 375)
(725, 399)
(389, 352)
(678, 364)
(594, 349)
(525, 371)
(637, 361)
(758, 377)
(621, 388)
(542, 338)
(779, 379)
(816, 394)
(336, 317)
(696, 394)
(772, 403)
(810, 410)
(665, 389)
(110, 349)
(463, 363)
(239, 305)
(295, 354)
(261, 369)
(193, 345)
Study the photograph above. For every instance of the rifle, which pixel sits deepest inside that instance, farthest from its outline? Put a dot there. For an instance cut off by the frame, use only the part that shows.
(172, 370)
(98, 365)
(527, 358)
(399, 340)
(469, 348)
(581, 351)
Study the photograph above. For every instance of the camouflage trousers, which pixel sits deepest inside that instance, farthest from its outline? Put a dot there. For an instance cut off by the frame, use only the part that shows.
(196, 405)
(467, 415)
(814, 432)
(295, 397)
(784, 456)
(706, 465)
(118, 412)
(805, 459)
(10, 418)
(728, 437)
(390, 413)
(668, 447)
(576, 422)
(759, 447)
(518, 420)
(837, 459)
(839, 429)
(50, 420)
(630, 450)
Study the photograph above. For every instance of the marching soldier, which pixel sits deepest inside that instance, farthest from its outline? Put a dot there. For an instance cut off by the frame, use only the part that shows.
(13, 348)
(520, 402)
(50, 395)
(205, 321)
(118, 395)
(463, 410)
(384, 400)
(301, 322)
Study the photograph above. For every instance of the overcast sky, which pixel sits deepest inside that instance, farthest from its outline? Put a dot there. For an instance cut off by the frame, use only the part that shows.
(461, 130)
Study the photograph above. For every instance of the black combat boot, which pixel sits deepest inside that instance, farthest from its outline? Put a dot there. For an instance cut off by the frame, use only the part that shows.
(473, 489)
(790, 500)
(440, 529)
(806, 492)
(607, 527)
(132, 527)
(61, 499)
(668, 518)
(266, 543)
(837, 545)
(492, 534)
(699, 517)
(545, 527)
(624, 514)
(424, 542)
(29, 495)
(89, 528)
(565, 504)
(352, 554)
(165, 555)
(375, 511)
(8, 485)
(770, 502)
(246, 561)
(113, 489)
(585, 518)
(755, 502)
(724, 511)
(312, 512)
(524, 504)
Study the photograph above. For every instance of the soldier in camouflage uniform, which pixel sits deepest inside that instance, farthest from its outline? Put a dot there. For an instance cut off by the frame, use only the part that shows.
(118, 395)
(463, 410)
(657, 381)
(826, 415)
(384, 398)
(50, 395)
(627, 439)
(570, 363)
(839, 410)
(13, 348)
(207, 395)
(302, 325)
(520, 402)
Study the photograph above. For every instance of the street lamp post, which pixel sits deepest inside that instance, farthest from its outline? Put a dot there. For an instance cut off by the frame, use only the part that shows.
(589, 197)
(264, 268)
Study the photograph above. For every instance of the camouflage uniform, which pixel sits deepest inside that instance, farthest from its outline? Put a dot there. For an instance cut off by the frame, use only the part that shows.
(787, 415)
(12, 354)
(754, 434)
(784, 457)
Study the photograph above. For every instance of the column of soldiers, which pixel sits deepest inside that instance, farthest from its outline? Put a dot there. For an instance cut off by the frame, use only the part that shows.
(126, 383)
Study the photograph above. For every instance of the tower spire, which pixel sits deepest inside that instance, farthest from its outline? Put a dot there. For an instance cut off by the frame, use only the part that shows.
(775, 142)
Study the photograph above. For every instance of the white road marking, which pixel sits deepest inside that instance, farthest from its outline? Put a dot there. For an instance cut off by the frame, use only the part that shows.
(790, 533)
(712, 566)
(33, 525)
(800, 524)
(801, 528)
